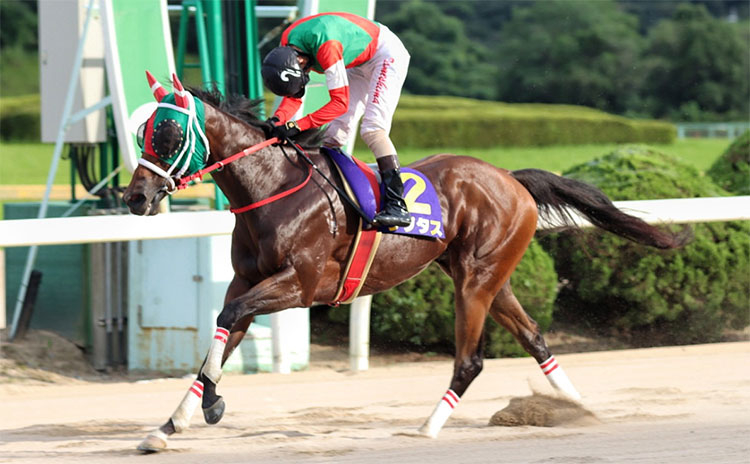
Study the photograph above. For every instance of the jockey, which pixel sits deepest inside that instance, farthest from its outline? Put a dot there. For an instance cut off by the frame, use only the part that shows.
(365, 65)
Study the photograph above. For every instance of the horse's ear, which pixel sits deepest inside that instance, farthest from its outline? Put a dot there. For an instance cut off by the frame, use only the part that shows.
(156, 87)
(180, 96)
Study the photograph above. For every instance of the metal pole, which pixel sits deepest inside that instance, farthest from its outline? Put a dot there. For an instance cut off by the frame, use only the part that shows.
(53, 167)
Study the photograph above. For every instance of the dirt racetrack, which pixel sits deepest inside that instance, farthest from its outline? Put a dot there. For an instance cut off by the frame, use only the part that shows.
(661, 405)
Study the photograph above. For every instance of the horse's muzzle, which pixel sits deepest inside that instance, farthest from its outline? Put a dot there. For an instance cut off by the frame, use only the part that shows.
(139, 204)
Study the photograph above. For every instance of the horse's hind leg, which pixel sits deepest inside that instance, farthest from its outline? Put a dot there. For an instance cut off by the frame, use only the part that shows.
(472, 304)
(508, 312)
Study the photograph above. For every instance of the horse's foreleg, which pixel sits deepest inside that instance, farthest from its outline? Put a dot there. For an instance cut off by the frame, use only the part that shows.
(276, 294)
(471, 311)
(201, 387)
(508, 312)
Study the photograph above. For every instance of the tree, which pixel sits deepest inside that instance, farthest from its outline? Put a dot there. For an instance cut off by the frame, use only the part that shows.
(559, 52)
(443, 59)
(18, 21)
(696, 68)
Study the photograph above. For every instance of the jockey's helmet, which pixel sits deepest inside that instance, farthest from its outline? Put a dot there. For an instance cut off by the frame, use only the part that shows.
(282, 73)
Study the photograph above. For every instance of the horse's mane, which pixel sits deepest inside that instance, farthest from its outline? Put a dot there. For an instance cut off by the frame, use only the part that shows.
(247, 110)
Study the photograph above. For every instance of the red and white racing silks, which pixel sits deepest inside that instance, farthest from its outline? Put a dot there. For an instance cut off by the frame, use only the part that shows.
(360, 59)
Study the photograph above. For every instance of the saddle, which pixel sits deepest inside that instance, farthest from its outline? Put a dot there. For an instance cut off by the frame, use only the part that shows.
(361, 183)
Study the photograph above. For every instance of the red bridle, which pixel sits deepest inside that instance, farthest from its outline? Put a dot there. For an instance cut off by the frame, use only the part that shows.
(219, 165)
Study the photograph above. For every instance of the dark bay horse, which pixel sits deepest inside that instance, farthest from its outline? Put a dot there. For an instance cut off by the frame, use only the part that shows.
(292, 252)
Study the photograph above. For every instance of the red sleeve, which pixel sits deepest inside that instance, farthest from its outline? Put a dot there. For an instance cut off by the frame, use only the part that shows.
(328, 112)
(287, 108)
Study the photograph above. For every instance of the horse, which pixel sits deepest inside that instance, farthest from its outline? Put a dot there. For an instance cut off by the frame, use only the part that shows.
(292, 252)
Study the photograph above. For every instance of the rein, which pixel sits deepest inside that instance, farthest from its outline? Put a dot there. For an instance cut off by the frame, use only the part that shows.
(219, 165)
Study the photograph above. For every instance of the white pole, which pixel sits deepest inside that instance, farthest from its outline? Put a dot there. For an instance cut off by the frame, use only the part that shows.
(282, 364)
(359, 333)
(64, 121)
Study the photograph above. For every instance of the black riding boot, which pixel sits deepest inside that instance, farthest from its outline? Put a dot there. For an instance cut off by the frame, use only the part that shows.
(394, 211)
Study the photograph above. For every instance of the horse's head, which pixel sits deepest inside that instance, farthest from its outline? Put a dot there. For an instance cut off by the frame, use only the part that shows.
(173, 145)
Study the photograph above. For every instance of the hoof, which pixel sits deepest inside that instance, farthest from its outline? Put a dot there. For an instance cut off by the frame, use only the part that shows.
(215, 412)
(152, 444)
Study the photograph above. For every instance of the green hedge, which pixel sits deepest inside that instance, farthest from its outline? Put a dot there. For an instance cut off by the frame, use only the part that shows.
(732, 169)
(690, 295)
(19, 118)
(434, 122)
(419, 313)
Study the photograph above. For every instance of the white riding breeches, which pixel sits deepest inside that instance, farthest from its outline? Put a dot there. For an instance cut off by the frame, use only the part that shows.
(374, 91)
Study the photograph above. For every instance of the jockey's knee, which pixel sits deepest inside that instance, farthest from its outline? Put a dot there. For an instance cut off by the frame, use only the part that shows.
(379, 143)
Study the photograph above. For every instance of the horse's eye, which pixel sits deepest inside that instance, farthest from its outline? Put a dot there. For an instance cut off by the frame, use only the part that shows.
(141, 134)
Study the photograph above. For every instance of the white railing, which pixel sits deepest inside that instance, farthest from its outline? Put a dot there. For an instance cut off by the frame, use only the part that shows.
(120, 228)
(94, 229)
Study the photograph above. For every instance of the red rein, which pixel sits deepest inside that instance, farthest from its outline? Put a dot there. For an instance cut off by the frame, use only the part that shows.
(247, 151)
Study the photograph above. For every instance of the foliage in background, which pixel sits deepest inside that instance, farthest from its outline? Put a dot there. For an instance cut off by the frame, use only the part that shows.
(689, 295)
(451, 121)
(552, 53)
(18, 24)
(443, 59)
(439, 122)
(731, 170)
(696, 68)
(419, 313)
(20, 118)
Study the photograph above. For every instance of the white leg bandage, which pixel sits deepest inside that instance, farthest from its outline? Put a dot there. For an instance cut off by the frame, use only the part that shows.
(440, 415)
(212, 367)
(557, 377)
(184, 412)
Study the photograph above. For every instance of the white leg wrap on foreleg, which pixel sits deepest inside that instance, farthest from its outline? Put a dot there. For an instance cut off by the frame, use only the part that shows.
(184, 412)
(212, 367)
(557, 377)
(440, 415)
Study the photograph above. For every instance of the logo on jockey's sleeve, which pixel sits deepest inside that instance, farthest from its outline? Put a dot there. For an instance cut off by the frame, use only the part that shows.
(284, 76)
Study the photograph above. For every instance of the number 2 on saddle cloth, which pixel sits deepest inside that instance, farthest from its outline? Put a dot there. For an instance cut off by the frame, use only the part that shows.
(419, 195)
(361, 183)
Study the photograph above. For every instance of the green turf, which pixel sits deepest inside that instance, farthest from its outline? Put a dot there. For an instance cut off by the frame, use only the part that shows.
(29, 163)
(700, 153)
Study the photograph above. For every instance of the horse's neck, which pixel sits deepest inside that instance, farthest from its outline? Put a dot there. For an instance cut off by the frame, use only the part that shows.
(252, 177)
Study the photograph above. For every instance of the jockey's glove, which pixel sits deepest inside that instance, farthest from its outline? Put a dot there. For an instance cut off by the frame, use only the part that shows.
(285, 131)
(268, 126)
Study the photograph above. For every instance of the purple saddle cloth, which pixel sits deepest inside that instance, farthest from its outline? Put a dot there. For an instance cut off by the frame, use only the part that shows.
(419, 194)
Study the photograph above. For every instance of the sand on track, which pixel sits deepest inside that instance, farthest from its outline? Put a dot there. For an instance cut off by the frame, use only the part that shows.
(667, 405)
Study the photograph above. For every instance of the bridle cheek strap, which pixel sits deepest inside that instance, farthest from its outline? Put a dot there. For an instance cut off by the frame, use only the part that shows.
(161, 172)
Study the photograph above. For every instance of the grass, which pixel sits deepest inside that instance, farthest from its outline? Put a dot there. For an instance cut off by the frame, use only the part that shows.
(29, 163)
(700, 153)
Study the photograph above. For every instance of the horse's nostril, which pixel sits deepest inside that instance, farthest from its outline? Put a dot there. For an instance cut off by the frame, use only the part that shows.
(135, 199)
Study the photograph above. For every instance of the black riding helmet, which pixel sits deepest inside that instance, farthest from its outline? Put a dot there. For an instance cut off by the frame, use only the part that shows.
(282, 73)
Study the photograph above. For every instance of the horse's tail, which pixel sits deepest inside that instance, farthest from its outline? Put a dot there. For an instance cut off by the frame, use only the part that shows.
(553, 194)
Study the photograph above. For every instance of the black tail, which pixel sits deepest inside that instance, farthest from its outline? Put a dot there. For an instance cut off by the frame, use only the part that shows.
(553, 194)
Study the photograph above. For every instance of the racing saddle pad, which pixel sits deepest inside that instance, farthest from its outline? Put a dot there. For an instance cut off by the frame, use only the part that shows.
(419, 195)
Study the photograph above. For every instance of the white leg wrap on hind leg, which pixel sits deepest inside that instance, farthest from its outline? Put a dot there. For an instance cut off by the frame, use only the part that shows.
(440, 415)
(184, 412)
(557, 377)
(212, 367)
